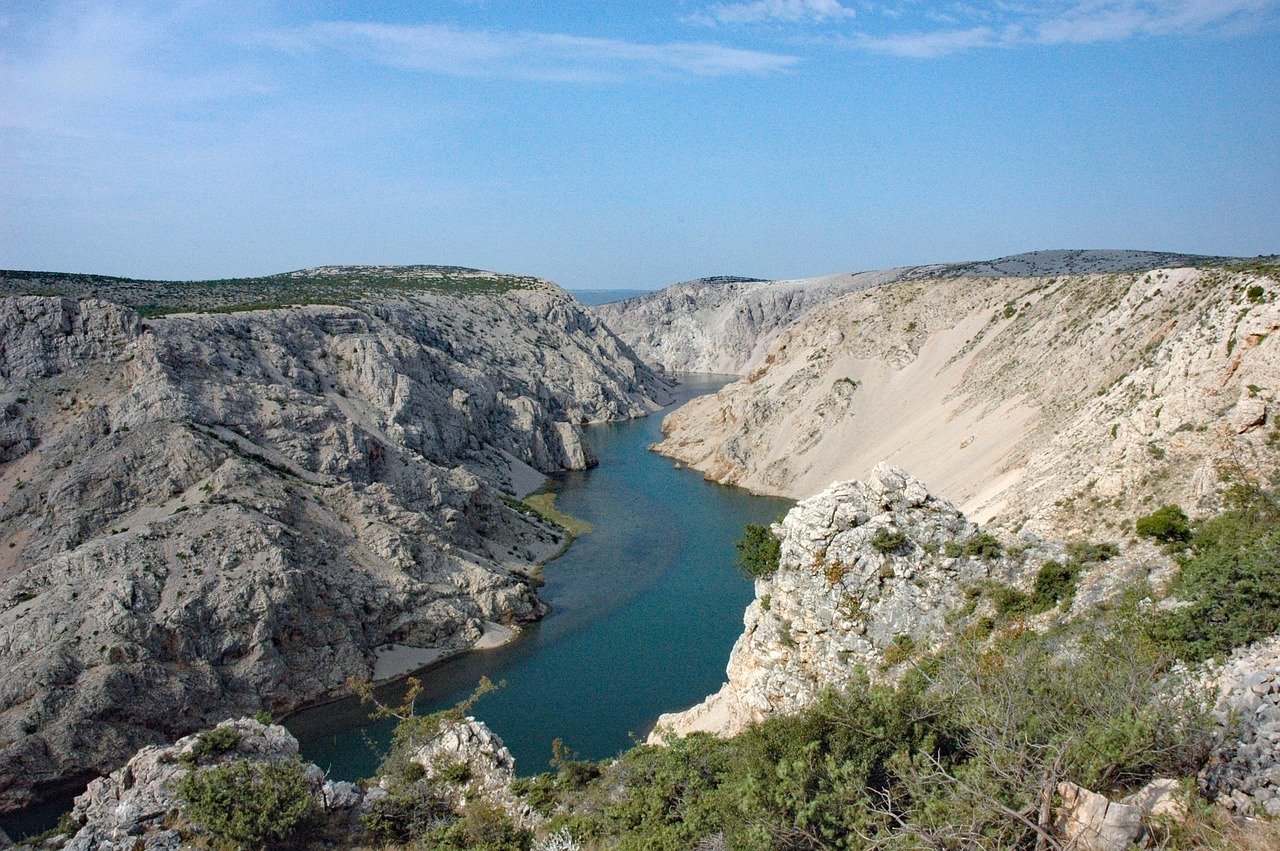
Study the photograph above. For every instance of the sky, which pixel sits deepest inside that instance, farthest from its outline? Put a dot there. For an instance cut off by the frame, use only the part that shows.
(631, 144)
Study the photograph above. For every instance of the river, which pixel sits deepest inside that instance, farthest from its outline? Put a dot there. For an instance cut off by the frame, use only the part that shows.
(645, 609)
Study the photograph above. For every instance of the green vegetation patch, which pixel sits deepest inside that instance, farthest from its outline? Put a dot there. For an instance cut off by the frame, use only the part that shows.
(339, 285)
(1230, 580)
(245, 803)
(544, 505)
(759, 552)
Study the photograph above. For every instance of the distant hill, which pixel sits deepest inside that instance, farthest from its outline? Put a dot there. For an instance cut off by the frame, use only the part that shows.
(726, 324)
(321, 285)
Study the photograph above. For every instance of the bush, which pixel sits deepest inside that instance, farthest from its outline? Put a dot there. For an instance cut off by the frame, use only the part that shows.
(213, 742)
(758, 552)
(407, 813)
(1087, 552)
(482, 827)
(888, 541)
(1055, 583)
(1230, 581)
(453, 772)
(247, 803)
(900, 651)
(981, 545)
(1167, 524)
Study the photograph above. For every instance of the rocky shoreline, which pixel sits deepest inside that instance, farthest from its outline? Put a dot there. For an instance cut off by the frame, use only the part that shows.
(216, 514)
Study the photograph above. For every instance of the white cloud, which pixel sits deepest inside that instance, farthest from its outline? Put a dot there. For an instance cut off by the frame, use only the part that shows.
(1008, 24)
(791, 11)
(556, 57)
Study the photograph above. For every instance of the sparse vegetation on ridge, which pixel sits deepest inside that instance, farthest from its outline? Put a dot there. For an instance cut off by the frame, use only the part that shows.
(338, 285)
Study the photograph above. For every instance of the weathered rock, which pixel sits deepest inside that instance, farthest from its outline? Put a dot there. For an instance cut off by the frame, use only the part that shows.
(207, 515)
(1065, 406)
(1161, 798)
(491, 769)
(846, 597)
(1088, 821)
(727, 324)
(1243, 772)
(133, 807)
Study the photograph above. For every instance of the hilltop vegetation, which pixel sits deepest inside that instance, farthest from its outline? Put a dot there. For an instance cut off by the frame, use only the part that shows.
(321, 285)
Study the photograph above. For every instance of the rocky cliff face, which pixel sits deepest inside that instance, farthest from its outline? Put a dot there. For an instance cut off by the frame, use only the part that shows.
(204, 515)
(727, 325)
(864, 581)
(139, 806)
(1066, 405)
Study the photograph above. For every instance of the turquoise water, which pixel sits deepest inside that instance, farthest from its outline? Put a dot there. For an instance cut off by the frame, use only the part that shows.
(644, 612)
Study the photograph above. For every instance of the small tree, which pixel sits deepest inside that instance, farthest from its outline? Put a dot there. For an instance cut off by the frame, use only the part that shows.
(758, 551)
(1167, 524)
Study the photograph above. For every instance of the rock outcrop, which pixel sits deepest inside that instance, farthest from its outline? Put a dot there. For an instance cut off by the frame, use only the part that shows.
(1064, 405)
(1243, 773)
(206, 515)
(727, 324)
(490, 771)
(864, 581)
(136, 806)
(140, 806)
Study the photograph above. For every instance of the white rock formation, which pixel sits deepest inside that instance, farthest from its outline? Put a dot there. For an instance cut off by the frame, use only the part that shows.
(727, 325)
(490, 767)
(1069, 404)
(205, 515)
(863, 578)
(135, 806)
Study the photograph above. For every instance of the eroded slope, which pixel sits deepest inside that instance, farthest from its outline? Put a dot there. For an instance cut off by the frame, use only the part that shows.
(204, 515)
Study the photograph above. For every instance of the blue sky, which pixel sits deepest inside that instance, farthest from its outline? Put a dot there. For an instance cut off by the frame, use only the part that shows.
(631, 144)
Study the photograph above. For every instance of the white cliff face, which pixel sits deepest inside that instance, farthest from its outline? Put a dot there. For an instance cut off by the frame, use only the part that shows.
(204, 515)
(727, 325)
(722, 325)
(1065, 405)
(844, 597)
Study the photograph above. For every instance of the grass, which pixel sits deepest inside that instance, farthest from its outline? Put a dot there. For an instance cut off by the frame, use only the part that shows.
(544, 505)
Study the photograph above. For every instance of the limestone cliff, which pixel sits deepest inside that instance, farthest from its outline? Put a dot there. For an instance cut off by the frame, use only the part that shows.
(1068, 405)
(727, 324)
(864, 574)
(204, 515)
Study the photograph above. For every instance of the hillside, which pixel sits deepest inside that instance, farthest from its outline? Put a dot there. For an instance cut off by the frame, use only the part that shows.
(210, 514)
(1065, 403)
(726, 325)
(321, 285)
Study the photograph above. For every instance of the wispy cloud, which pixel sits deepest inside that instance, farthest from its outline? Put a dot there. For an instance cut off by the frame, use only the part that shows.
(790, 11)
(554, 57)
(1009, 24)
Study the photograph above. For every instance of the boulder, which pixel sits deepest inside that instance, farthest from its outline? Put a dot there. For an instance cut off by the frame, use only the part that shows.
(1088, 821)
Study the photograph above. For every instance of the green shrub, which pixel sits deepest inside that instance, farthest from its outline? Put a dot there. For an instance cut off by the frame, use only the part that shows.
(407, 813)
(1055, 583)
(247, 803)
(1167, 524)
(482, 827)
(1087, 552)
(1255, 293)
(983, 546)
(900, 651)
(1009, 601)
(758, 551)
(453, 772)
(1230, 581)
(888, 541)
(952, 757)
(213, 742)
